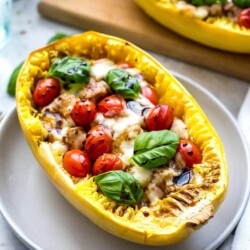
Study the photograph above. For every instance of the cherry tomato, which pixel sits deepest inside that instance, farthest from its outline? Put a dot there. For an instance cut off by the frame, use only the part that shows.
(159, 117)
(189, 152)
(150, 93)
(244, 18)
(76, 162)
(107, 162)
(110, 106)
(46, 91)
(98, 142)
(83, 113)
(124, 65)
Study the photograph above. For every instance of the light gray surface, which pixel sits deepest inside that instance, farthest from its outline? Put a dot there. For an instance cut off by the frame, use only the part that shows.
(30, 31)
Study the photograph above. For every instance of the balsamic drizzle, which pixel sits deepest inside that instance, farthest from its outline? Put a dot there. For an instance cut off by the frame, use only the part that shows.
(185, 177)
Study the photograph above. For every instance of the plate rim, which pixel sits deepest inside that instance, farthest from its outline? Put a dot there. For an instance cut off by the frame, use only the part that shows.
(15, 229)
(219, 240)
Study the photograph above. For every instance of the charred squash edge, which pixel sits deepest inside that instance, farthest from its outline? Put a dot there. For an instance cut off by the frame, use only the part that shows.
(183, 211)
(220, 33)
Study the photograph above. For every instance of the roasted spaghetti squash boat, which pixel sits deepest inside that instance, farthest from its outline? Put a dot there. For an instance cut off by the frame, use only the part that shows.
(121, 138)
(220, 24)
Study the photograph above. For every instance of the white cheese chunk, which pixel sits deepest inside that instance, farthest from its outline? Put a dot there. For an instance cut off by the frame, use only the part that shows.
(58, 147)
(154, 194)
(58, 134)
(101, 67)
(143, 175)
(119, 124)
(185, 8)
(201, 12)
(127, 147)
(124, 122)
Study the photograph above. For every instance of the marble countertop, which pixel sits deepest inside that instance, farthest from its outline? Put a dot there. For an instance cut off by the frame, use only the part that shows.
(30, 31)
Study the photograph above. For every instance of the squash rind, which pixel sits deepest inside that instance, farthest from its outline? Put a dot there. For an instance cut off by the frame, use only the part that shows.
(182, 211)
(220, 33)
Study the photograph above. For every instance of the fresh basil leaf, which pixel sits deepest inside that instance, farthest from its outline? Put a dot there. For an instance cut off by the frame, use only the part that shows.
(116, 75)
(156, 148)
(121, 82)
(11, 87)
(70, 70)
(242, 3)
(56, 37)
(120, 186)
(208, 2)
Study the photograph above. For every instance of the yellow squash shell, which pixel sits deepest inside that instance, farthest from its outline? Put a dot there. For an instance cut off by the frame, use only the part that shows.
(183, 210)
(216, 32)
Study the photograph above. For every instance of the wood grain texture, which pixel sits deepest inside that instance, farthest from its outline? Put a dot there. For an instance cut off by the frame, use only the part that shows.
(126, 20)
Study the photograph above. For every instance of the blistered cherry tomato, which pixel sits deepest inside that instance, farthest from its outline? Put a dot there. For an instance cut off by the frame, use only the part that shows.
(123, 65)
(107, 162)
(76, 162)
(83, 113)
(244, 18)
(98, 142)
(46, 91)
(189, 152)
(159, 117)
(150, 93)
(110, 106)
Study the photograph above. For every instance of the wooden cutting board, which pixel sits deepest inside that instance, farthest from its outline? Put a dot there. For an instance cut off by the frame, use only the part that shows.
(125, 19)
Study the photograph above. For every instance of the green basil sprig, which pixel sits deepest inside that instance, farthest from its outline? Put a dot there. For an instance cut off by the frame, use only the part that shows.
(242, 3)
(11, 87)
(206, 2)
(70, 70)
(156, 148)
(56, 37)
(120, 186)
(121, 82)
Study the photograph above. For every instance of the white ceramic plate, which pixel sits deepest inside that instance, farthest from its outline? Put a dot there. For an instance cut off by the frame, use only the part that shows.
(43, 219)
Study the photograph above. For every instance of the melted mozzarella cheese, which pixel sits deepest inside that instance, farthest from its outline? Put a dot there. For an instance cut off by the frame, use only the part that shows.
(143, 175)
(59, 147)
(154, 194)
(124, 122)
(58, 134)
(127, 146)
(101, 67)
(119, 124)
(201, 12)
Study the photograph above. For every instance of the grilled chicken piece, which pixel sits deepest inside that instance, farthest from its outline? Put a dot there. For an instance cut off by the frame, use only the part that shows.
(58, 112)
(215, 10)
(232, 11)
(94, 90)
(56, 117)
(180, 128)
(75, 137)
